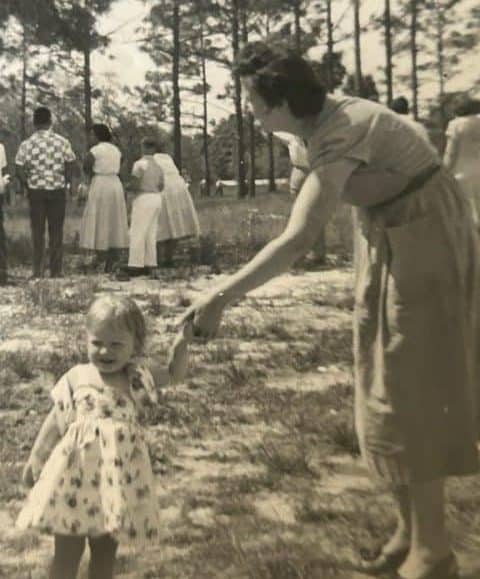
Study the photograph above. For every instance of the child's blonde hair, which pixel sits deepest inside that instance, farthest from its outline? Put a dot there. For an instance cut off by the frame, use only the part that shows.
(121, 310)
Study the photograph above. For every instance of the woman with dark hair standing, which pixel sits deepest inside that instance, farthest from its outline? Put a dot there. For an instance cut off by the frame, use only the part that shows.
(417, 275)
(104, 225)
(462, 153)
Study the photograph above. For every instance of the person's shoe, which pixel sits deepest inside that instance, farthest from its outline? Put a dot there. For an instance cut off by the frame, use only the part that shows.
(380, 562)
(138, 271)
(122, 275)
(446, 568)
(154, 273)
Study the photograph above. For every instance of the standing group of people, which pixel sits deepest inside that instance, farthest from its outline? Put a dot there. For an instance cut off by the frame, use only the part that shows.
(162, 209)
(45, 167)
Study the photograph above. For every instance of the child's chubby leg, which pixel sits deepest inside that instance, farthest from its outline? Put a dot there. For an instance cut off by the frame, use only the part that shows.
(103, 551)
(68, 553)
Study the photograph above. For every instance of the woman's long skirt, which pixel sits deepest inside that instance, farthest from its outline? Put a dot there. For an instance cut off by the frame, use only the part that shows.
(416, 334)
(104, 223)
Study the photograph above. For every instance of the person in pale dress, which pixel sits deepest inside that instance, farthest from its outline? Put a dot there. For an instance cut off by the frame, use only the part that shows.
(89, 469)
(178, 218)
(417, 281)
(147, 182)
(104, 226)
(462, 152)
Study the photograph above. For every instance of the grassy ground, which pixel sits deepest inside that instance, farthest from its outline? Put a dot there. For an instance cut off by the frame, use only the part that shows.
(256, 461)
(255, 456)
(233, 230)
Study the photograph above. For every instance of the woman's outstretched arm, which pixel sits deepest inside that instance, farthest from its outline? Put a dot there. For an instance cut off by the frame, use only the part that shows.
(311, 211)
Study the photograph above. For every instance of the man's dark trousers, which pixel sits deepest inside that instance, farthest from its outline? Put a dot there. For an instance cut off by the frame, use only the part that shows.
(47, 205)
(3, 247)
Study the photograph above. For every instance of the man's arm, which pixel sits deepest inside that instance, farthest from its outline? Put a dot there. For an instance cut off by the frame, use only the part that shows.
(69, 173)
(22, 179)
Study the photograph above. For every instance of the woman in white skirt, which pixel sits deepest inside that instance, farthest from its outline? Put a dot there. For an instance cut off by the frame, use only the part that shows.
(462, 153)
(178, 218)
(147, 182)
(104, 227)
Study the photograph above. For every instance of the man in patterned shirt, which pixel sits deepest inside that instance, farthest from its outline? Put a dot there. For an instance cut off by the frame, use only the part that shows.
(44, 165)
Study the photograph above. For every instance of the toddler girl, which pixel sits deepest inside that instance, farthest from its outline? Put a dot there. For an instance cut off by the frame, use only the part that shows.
(89, 467)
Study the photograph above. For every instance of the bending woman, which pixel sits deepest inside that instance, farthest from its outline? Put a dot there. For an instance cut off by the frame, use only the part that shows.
(417, 274)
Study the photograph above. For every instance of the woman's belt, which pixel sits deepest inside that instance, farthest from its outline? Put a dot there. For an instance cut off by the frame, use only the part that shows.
(414, 184)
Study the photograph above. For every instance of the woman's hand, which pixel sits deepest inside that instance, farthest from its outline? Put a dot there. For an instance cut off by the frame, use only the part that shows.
(205, 315)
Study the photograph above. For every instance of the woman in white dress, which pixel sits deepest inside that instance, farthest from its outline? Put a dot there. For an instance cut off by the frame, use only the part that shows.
(104, 227)
(178, 218)
(147, 182)
(462, 153)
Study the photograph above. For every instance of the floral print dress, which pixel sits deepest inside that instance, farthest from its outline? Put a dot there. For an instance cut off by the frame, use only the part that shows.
(98, 479)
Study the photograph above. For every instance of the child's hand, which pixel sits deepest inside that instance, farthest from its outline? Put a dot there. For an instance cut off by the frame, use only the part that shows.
(187, 331)
(178, 359)
(28, 477)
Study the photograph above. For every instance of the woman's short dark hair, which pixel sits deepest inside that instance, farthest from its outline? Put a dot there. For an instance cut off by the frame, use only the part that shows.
(400, 105)
(467, 107)
(102, 132)
(279, 75)
(150, 144)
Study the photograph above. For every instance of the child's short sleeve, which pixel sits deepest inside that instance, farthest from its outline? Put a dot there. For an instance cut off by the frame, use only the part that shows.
(143, 390)
(63, 403)
(143, 384)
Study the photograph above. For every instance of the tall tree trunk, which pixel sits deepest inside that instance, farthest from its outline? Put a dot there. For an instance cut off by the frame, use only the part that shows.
(388, 53)
(272, 186)
(87, 88)
(413, 55)
(177, 128)
(250, 119)
(87, 72)
(330, 79)
(297, 28)
(440, 61)
(358, 52)
(206, 158)
(23, 105)
(242, 186)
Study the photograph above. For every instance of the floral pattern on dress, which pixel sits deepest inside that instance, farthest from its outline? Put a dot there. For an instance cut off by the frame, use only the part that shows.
(98, 479)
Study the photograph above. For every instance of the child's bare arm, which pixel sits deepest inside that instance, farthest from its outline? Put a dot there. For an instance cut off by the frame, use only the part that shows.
(178, 359)
(46, 440)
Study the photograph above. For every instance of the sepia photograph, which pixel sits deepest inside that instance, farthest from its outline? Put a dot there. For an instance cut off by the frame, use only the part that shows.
(239, 289)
